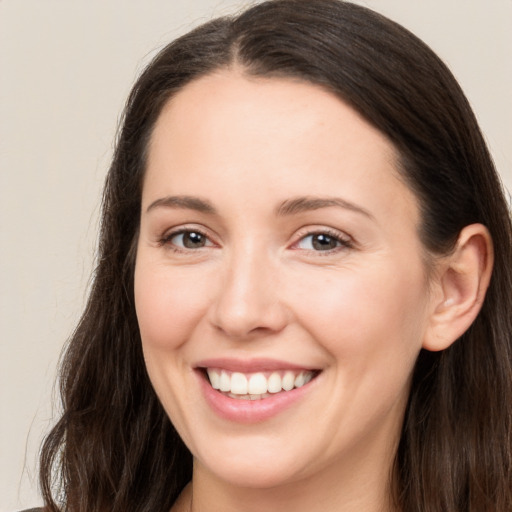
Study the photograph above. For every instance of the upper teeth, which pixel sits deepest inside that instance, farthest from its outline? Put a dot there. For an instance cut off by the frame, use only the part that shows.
(257, 383)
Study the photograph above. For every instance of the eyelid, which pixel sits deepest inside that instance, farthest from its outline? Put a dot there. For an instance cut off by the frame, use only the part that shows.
(345, 240)
(166, 237)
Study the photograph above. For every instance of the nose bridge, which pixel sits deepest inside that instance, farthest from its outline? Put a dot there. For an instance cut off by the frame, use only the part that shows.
(248, 298)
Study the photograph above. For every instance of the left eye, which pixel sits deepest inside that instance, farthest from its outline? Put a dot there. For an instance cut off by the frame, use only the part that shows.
(189, 240)
(320, 242)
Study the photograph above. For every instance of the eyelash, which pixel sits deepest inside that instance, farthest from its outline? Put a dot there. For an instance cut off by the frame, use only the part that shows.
(165, 240)
(345, 242)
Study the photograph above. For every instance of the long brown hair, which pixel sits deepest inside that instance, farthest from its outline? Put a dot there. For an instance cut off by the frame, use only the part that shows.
(114, 449)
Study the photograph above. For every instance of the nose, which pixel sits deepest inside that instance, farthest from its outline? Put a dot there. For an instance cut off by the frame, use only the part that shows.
(249, 302)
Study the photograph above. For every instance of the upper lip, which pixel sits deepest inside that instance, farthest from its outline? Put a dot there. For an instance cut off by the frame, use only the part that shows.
(251, 365)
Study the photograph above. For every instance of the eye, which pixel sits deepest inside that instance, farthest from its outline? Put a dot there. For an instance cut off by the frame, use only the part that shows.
(187, 239)
(322, 241)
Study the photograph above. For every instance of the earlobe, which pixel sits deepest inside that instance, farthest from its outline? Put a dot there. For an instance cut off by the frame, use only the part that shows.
(462, 281)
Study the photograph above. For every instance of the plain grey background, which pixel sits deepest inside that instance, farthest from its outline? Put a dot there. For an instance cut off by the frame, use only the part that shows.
(66, 67)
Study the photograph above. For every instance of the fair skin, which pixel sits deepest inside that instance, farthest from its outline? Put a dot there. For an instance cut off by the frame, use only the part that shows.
(277, 236)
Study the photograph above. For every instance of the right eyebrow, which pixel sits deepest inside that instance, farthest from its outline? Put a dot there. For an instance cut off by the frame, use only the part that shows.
(183, 202)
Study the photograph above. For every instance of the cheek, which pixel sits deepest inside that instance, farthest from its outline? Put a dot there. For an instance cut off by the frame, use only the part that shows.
(168, 308)
(168, 305)
(366, 313)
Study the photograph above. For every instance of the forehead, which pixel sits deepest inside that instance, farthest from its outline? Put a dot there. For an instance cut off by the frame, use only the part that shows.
(269, 136)
(230, 105)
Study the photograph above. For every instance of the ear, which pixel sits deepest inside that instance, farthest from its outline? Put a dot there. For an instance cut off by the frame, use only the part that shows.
(461, 282)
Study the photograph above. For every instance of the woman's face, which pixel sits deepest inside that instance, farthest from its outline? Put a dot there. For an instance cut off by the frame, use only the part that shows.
(278, 249)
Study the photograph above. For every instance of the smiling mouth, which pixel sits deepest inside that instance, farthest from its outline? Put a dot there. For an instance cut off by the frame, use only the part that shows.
(257, 385)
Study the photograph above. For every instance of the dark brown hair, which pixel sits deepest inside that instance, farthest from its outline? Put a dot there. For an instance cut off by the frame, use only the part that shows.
(114, 449)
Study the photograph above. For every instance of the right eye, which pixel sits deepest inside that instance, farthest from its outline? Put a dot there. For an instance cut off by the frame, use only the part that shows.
(187, 239)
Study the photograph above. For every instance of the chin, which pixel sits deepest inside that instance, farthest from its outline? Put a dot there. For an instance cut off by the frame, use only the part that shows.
(256, 465)
(254, 475)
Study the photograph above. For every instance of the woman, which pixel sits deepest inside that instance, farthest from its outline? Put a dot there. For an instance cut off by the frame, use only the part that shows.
(293, 306)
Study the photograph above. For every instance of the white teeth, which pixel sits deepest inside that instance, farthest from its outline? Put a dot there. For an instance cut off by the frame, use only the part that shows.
(225, 382)
(214, 378)
(238, 384)
(255, 386)
(288, 381)
(299, 380)
(274, 383)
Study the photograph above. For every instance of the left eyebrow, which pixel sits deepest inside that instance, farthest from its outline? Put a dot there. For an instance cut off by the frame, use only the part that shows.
(307, 203)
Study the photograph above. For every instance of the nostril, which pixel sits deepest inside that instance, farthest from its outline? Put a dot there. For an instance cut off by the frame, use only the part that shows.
(246, 322)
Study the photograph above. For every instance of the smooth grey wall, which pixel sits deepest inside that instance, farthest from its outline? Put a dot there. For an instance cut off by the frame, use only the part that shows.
(65, 70)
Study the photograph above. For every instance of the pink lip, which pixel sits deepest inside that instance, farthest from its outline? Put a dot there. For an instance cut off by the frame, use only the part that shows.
(250, 365)
(248, 411)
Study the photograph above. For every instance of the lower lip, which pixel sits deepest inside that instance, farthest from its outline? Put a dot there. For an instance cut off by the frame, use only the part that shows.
(250, 411)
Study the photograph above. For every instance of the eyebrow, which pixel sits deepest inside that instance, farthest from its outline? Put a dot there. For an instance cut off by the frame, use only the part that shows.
(307, 203)
(183, 202)
(287, 207)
